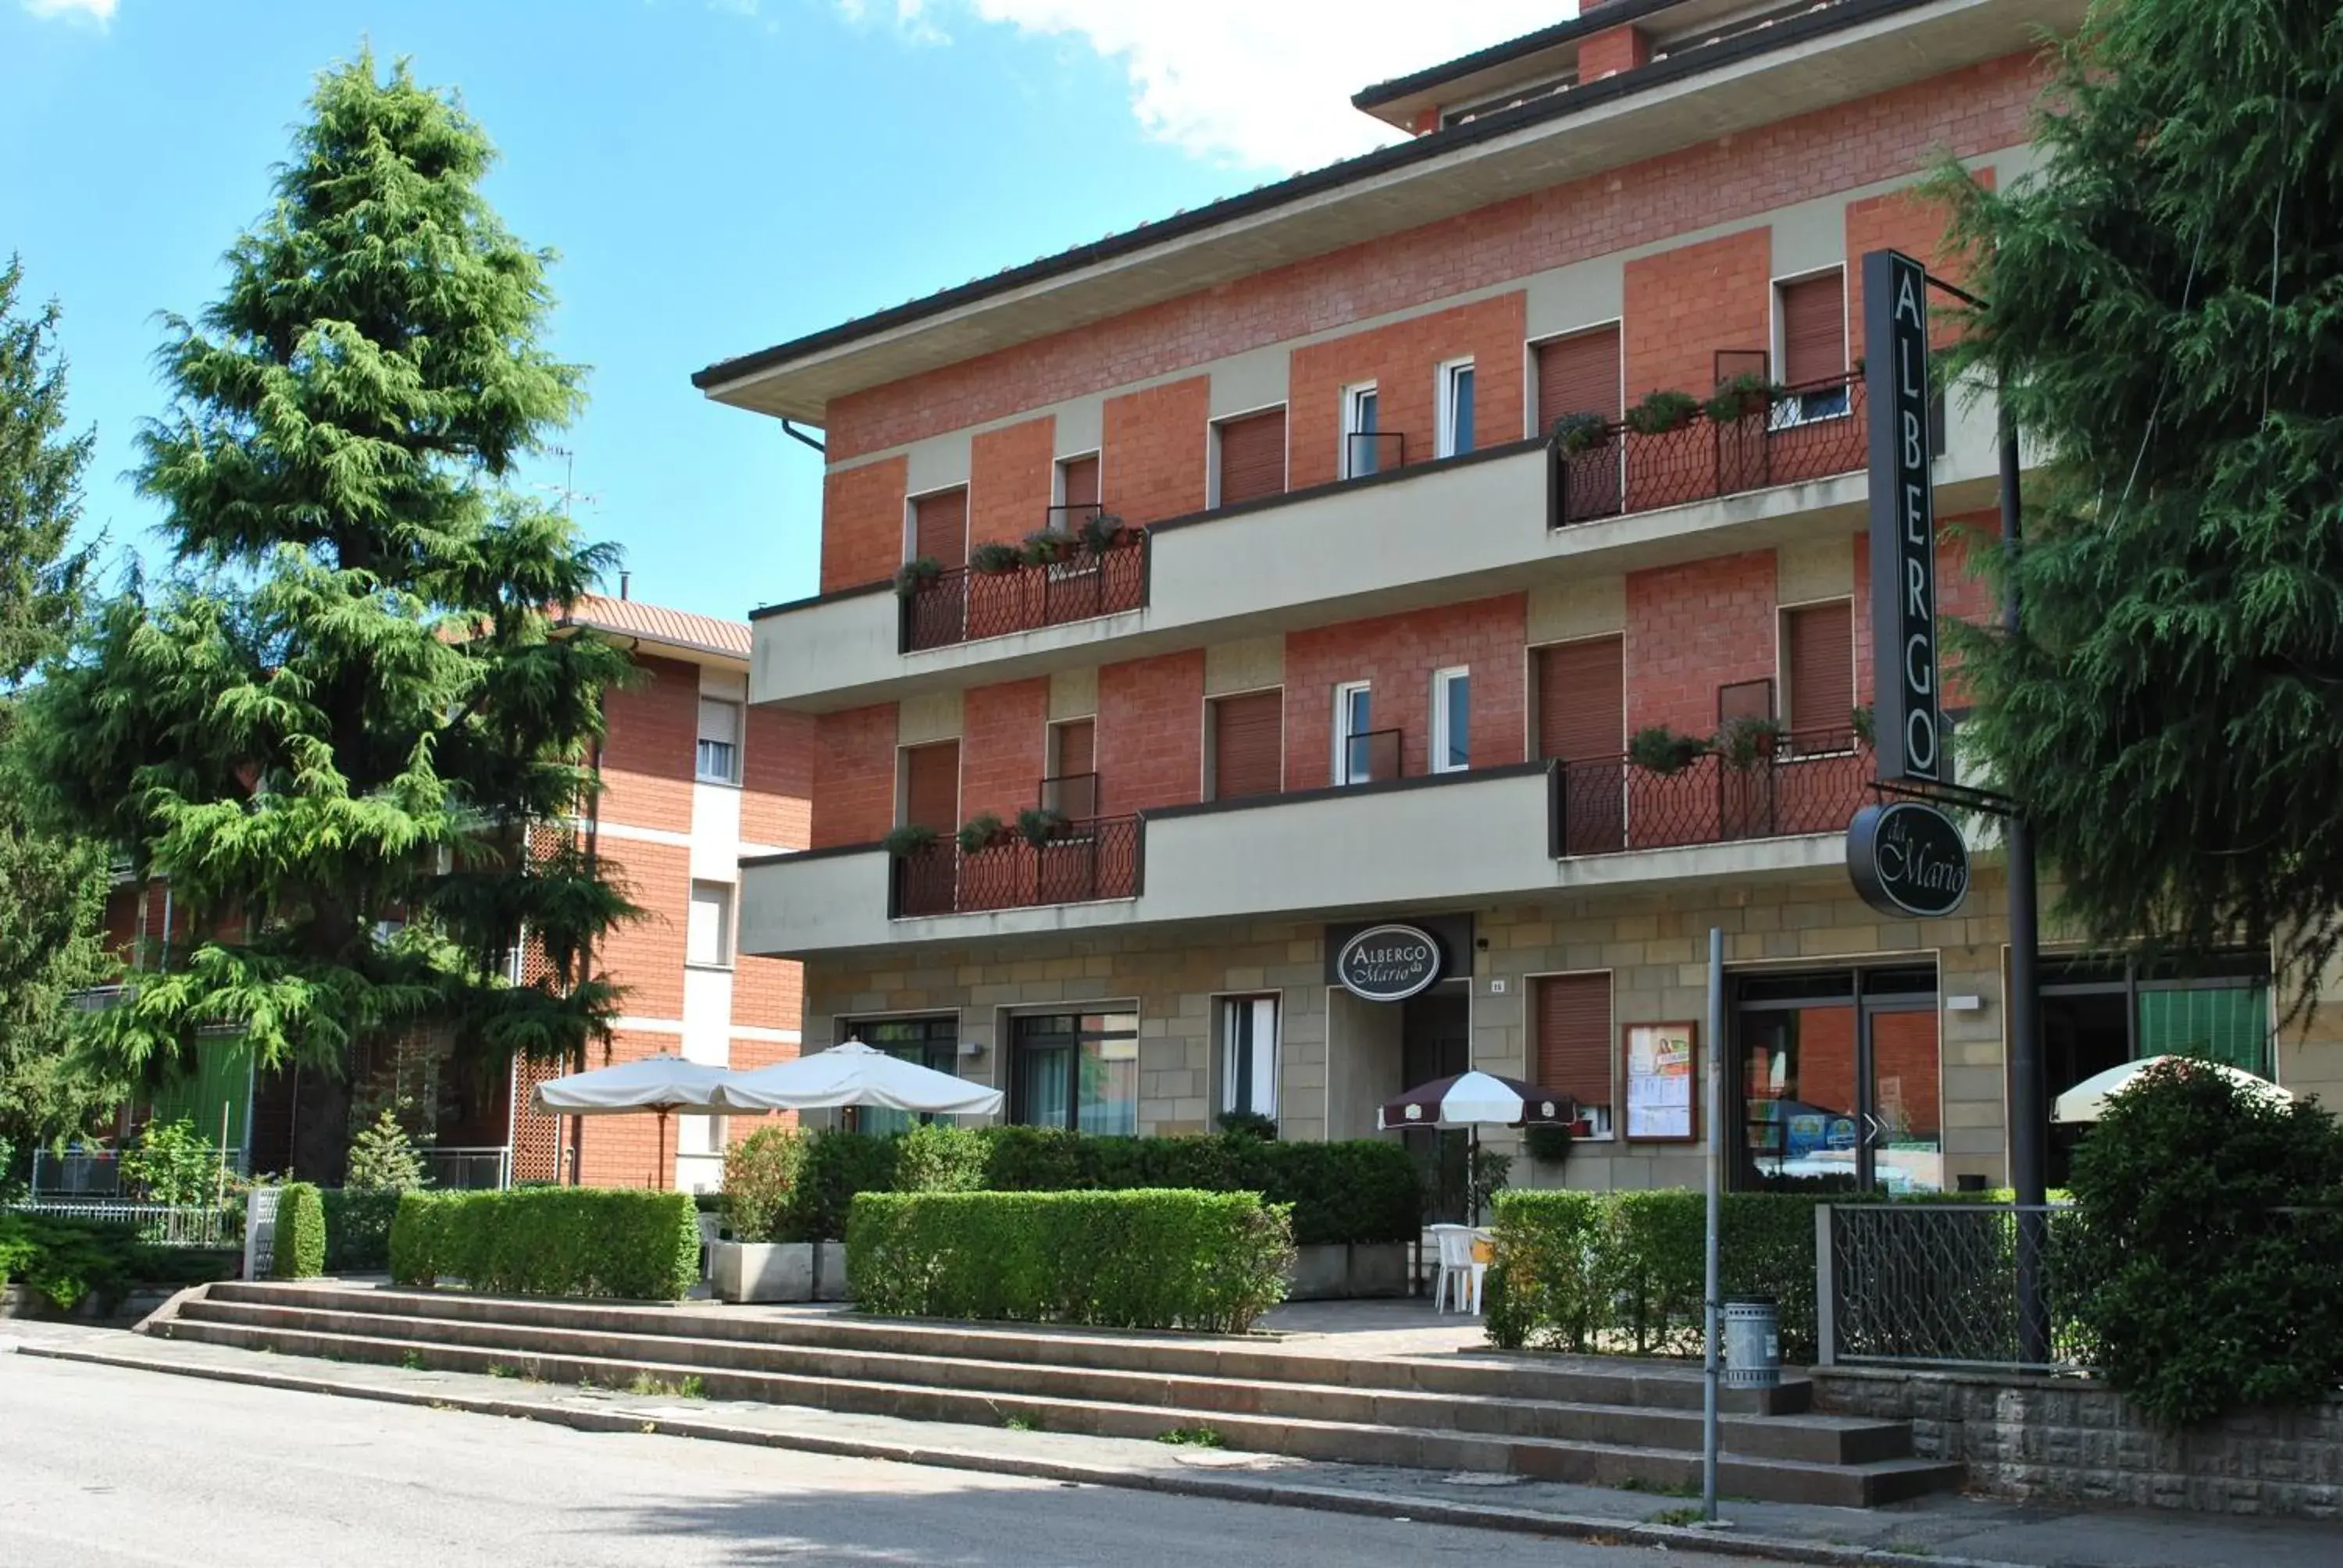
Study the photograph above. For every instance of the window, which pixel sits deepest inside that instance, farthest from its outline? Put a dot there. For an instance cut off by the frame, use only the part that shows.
(1573, 1015)
(1249, 455)
(1578, 375)
(931, 786)
(939, 528)
(1248, 740)
(1819, 658)
(707, 935)
(1072, 787)
(1078, 486)
(1456, 410)
(1079, 1072)
(1354, 729)
(928, 1042)
(1249, 1054)
(1812, 313)
(1452, 721)
(1362, 410)
(718, 758)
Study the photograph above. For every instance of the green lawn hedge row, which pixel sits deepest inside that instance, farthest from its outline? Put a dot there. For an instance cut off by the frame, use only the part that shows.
(1132, 1260)
(797, 1187)
(358, 1229)
(630, 1244)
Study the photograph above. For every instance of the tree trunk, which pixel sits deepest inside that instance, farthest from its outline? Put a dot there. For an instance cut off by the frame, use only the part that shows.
(321, 1127)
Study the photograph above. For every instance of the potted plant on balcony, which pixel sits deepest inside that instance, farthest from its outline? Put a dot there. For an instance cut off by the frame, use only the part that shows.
(1662, 411)
(1656, 748)
(1580, 432)
(993, 559)
(914, 575)
(1046, 547)
(1741, 397)
(1038, 825)
(981, 832)
(1858, 718)
(910, 839)
(1748, 741)
(1101, 532)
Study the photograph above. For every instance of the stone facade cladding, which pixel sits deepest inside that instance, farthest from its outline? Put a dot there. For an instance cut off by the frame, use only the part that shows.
(2075, 1440)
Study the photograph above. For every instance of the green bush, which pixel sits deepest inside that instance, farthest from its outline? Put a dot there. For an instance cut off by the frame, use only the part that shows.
(1134, 1259)
(171, 1164)
(383, 1158)
(299, 1250)
(358, 1229)
(941, 1158)
(761, 1180)
(68, 1259)
(2207, 1268)
(837, 1165)
(1031, 1160)
(627, 1242)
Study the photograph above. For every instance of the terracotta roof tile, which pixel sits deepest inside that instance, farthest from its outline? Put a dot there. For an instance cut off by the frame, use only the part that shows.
(657, 623)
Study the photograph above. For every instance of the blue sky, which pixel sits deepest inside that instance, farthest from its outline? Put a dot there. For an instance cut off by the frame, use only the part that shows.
(716, 175)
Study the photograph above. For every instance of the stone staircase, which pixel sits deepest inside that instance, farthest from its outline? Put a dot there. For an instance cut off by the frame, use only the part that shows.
(1584, 1420)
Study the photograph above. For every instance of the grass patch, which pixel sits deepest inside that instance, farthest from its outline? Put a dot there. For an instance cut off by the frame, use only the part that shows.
(1191, 1437)
(1659, 1488)
(1675, 1516)
(499, 1369)
(412, 1361)
(1025, 1424)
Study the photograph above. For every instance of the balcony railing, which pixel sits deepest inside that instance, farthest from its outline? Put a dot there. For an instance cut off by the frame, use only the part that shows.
(1812, 782)
(1370, 756)
(1818, 430)
(1074, 796)
(1085, 862)
(962, 605)
(1366, 452)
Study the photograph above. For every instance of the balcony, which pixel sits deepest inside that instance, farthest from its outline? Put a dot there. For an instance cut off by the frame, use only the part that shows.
(1818, 430)
(964, 603)
(1807, 783)
(1083, 861)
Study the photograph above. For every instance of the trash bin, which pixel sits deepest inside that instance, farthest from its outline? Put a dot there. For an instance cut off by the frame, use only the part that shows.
(1752, 1343)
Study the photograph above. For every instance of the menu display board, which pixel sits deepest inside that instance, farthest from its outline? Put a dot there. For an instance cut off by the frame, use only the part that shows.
(1660, 1062)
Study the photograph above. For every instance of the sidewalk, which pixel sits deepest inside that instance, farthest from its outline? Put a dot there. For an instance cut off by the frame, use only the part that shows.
(1945, 1531)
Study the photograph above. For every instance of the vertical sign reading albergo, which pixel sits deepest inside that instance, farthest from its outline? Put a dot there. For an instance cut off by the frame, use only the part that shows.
(1903, 520)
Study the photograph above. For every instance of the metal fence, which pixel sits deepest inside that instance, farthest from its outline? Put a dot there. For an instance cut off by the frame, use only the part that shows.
(160, 1225)
(962, 605)
(1936, 1285)
(95, 1174)
(1089, 860)
(1812, 782)
(1814, 430)
(468, 1169)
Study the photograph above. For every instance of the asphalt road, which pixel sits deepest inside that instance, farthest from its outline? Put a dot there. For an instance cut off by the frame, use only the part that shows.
(101, 1465)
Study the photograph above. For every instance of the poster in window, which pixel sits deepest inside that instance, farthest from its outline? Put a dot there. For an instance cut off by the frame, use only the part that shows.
(1660, 1061)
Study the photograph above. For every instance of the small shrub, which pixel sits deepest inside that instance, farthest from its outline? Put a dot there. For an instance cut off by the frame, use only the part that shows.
(1038, 825)
(1249, 1124)
(837, 1165)
(383, 1159)
(761, 1179)
(299, 1250)
(1661, 412)
(1656, 748)
(1547, 1143)
(171, 1164)
(1858, 719)
(1045, 546)
(1582, 432)
(909, 840)
(1748, 741)
(626, 1242)
(1741, 397)
(941, 1158)
(981, 832)
(1101, 532)
(358, 1229)
(995, 559)
(914, 575)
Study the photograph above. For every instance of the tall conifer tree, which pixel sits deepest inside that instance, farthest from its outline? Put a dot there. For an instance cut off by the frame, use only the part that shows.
(334, 725)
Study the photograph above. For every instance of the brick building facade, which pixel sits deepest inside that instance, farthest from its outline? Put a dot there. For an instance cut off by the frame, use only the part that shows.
(1417, 561)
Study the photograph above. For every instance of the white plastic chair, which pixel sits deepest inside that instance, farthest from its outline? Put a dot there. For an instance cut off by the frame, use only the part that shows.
(1458, 1268)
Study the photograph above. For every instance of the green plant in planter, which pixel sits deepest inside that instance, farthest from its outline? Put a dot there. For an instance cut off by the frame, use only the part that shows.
(1099, 532)
(914, 575)
(1748, 741)
(1662, 411)
(995, 559)
(1249, 1124)
(1581, 432)
(979, 832)
(1859, 720)
(1743, 396)
(909, 840)
(1547, 1143)
(1046, 547)
(1657, 748)
(1038, 825)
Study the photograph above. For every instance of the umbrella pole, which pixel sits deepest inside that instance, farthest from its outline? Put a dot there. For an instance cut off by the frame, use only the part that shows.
(659, 1160)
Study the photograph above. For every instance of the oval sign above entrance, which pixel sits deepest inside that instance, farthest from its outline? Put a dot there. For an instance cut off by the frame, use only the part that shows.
(1388, 963)
(1907, 858)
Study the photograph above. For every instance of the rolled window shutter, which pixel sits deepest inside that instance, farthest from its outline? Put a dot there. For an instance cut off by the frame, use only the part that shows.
(931, 786)
(1581, 700)
(1814, 330)
(1579, 375)
(1248, 745)
(1076, 746)
(939, 528)
(1822, 667)
(1252, 457)
(1081, 475)
(1574, 1037)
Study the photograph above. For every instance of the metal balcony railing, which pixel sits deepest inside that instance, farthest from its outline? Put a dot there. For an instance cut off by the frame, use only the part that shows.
(1370, 756)
(483, 1169)
(962, 605)
(1099, 858)
(1812, 782)
(1366, 452)
(1074, 796)
(1820, 429)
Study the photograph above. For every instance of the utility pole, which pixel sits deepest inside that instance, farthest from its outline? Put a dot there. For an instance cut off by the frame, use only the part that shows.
(2029, 1132)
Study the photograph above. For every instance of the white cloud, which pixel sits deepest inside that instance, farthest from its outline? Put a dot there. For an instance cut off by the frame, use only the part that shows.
(1260, 84)
(98, 11)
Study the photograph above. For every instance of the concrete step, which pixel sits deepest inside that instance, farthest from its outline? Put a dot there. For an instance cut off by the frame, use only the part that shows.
(1822, 1440)
(1608, 1380)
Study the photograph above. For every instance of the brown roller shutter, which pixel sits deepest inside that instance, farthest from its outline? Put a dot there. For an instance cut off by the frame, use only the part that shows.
(1081, 481)
(1822, 669)
(1252, 457)
(1248, 745)
(1574, 1037)
(931, 786)
(1076, 746)
(1581, 700)
(939, 528)
(1579, 375)
(1814, 330)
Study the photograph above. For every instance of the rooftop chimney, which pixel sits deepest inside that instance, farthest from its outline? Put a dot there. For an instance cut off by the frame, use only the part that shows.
(626, 583)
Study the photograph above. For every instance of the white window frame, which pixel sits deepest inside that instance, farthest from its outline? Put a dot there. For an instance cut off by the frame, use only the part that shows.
(1260, 1092)
(1355, 398)
(1441, 681)
(700, 773)
(1451, 373)
(1792, 412)
(723, 901)
(1343, 733)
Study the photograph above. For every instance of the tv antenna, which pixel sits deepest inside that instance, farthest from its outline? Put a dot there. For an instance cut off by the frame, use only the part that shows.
(568, 491)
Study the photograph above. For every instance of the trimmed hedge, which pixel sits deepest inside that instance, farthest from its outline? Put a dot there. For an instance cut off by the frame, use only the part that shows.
(299, 1250)
(1143, 1259)
(630, 1244)
(358, 1229)
(66, 1259)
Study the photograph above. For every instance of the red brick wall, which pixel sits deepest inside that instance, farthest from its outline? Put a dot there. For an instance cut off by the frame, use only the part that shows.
(1002, 746)
(1979, 109)
(1401, 359)
(1398, 653)
(1009, 480)
(1612, 51)
(854, 776)
(1897, 220)
(1150, 732)
(624, 1150)
(646, 956)
(863, 523)
(1685, 303)
(777, 778)
(651, 737)
(1691, 629)
(1152, 444)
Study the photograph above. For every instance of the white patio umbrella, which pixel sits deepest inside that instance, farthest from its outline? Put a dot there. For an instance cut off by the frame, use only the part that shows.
(853, 1074)
(1474, 1099)
(660, 1083)
(2088, 1100)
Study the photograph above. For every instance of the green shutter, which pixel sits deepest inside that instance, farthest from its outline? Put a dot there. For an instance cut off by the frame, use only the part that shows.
(2230, 1025)
(223, 1077)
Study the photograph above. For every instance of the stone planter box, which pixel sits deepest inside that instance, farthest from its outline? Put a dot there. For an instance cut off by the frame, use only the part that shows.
(1338, 1271)
(829, 1272)
(777, 1270)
